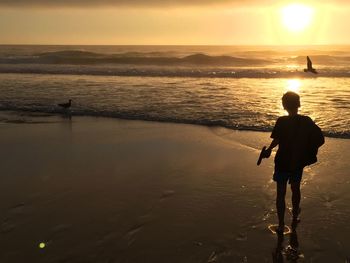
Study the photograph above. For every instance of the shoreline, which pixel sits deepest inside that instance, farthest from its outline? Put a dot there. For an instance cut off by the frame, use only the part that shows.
(23, 116)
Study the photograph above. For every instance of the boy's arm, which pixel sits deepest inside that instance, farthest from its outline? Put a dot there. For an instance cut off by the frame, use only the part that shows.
(273, 144)
(276, 131)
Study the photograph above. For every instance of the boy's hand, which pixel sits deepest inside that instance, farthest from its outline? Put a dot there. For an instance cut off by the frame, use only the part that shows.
(267, 153)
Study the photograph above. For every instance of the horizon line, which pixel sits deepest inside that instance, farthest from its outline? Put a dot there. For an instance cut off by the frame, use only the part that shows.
(223, 45)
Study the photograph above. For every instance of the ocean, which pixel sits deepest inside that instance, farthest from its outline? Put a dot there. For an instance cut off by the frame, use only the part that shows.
(238, 87)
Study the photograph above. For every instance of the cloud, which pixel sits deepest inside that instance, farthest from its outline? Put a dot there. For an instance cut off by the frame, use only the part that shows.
(146, 3)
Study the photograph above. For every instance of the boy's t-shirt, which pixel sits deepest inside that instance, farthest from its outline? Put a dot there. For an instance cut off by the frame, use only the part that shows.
(293, 133)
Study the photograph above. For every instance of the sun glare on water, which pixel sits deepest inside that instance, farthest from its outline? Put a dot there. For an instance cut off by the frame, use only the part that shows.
(293, 85)
(297, 17)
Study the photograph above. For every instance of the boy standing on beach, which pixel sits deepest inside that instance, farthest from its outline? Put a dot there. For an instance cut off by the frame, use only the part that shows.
(298, 139)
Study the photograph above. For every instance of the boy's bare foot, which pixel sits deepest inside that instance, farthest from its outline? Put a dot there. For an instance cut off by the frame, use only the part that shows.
(280, 229)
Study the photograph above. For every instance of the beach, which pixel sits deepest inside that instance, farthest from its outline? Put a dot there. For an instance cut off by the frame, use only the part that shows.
(93, 189)
(131, 131)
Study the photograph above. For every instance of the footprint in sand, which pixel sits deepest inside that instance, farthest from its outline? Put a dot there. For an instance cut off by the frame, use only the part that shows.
(328, 199)
(127, 239)
(122, 241)
(7, 226)
(17, 209)
(130, 235)
(241, 237)
(166, 194)
(13, 213)
(58, 231)
(223, 255)
(109, 237)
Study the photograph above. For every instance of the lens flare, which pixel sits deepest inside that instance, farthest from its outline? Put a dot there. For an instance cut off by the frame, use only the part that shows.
(42, 245)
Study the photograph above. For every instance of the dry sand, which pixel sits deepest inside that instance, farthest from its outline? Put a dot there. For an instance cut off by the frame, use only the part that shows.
(106, 190)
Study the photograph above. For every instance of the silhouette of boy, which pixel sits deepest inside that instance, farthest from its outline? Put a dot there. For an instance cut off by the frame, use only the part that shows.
(298, 139)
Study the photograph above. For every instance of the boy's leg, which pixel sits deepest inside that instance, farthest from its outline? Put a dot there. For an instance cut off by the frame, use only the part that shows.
(295, 187)
(280, 201)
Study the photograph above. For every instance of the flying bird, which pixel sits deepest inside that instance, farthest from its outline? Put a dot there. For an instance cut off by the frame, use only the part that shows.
(309, 66)
(65, 105)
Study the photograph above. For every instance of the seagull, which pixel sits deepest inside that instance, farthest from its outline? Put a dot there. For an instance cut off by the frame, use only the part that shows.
(65, 105)
(309, 66)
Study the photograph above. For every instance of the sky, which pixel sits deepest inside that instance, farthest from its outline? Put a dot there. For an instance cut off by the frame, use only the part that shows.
(170, 22)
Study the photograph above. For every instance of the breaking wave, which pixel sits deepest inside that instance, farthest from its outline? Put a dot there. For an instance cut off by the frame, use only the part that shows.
(133, 58)
(75, 62)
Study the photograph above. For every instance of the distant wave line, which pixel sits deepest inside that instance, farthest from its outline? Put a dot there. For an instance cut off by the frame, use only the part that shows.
(134, 58)
(171, 72)
(163, 58)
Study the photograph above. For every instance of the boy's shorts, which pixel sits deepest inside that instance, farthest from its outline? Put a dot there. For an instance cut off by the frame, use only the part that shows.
(291, 177)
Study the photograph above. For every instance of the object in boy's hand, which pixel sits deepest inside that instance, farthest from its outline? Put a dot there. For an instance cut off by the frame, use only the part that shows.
(263, 154)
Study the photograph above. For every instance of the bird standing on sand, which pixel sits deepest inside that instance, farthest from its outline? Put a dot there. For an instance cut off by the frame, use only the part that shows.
(65, 105)
(309, 66)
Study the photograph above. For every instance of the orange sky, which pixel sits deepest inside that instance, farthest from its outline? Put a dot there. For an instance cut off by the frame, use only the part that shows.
(168, 22)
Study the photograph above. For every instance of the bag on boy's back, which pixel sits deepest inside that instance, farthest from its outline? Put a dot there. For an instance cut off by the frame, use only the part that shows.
(316, 140)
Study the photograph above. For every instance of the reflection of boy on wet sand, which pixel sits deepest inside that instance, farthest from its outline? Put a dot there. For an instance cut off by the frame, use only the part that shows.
(291, 252)
(298, 139)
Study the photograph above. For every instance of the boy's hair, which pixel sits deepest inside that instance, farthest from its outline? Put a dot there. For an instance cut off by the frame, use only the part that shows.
(291, 100)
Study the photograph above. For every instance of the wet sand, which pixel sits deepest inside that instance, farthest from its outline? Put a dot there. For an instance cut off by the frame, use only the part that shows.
(107, 190)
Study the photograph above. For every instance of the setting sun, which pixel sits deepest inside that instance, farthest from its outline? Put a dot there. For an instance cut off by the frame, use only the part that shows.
(297, 17)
